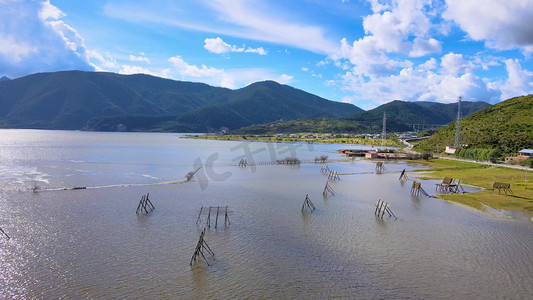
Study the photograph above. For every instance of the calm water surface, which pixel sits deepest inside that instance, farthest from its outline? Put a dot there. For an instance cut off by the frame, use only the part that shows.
(91, 244)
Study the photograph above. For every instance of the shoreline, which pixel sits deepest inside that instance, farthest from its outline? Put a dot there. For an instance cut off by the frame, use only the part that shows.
(265, 138)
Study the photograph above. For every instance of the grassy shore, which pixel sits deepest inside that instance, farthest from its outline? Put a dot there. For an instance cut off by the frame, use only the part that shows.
(484, 176)
(392, 143)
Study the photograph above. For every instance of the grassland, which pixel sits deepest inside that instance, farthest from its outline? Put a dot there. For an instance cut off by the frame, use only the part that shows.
(484, 176)
(392, 143)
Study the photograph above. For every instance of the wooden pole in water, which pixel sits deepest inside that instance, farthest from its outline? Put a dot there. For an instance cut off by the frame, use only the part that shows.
(8, 237)
(138, 206)
(382, 211)
(226, 217)
(209, 218)
(381, 208)
(216, 221)
(149, 202)
(198, 219)
(391, 213)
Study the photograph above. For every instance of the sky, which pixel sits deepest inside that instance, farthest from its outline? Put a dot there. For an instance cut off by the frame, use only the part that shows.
(364, 52)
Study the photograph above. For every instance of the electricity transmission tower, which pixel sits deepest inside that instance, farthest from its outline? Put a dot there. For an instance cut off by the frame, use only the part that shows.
(384, 134)
(457, 143)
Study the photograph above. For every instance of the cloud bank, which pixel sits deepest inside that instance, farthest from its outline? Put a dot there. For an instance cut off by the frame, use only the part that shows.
(380, 66)
(500, 24)
(34, 39)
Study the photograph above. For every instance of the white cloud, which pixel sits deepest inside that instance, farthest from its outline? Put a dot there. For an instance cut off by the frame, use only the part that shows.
(376, 71)
(501, 24)
(453, 64)
(141, 58)
(519, 81)
(129, 69)
(285, 79)
(470, 86)
(393, 24)
(48, 11)
(423, 47)
(430, 64)
(218, 46)
(265, 25)
(13, 50)
(238, 18)
(378, 5)
(34, 39)
(259, 51)
(398, 26)
(232, 78)
(367, 59)
(488, 61)
(186, 69)
(107, 62)
(421, 83)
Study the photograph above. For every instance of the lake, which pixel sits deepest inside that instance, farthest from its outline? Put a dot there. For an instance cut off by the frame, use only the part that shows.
(90, 243)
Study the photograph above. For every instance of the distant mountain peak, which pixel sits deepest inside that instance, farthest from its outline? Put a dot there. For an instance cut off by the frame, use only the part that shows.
(4, 78)
(269, 83)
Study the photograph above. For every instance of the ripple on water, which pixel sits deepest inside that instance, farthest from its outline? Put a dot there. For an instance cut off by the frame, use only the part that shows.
(91, 244)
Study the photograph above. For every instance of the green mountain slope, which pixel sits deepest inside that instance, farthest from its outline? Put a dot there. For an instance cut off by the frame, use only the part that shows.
(507, 126)
(449, 111)
(408, 112)
(103, 101)
(173, 97)
(265, 102)
(66, 100)
(404, 112)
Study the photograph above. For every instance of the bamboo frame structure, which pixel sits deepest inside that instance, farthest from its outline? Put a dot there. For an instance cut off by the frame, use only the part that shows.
(219, 210)
(202, 246)
(506, 187)
(145, 204)
(308, 204)
(403, 176)
(380, 167)
(382, 207)
(328, 190)
(416, 189)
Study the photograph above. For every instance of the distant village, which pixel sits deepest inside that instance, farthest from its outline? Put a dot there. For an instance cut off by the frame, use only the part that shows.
(404, 136)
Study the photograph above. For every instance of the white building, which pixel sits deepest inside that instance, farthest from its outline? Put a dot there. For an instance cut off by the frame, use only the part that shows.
(450, 150)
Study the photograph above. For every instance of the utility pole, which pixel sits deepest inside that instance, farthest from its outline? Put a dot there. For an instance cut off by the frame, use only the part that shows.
(457, 144)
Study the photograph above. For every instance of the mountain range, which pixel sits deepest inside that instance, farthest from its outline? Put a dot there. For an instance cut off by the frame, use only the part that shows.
(112, 102)
(109, 101)
(400, 116)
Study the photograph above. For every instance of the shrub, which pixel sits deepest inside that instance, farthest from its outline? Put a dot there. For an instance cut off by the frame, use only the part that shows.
(527, 163)
(479, 154)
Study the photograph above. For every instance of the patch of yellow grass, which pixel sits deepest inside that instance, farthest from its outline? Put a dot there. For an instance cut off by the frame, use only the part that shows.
(484, 176)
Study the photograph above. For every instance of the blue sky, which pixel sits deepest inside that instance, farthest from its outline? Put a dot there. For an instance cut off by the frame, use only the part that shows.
(365, 52)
